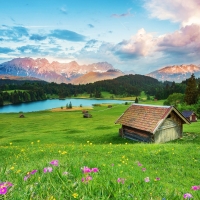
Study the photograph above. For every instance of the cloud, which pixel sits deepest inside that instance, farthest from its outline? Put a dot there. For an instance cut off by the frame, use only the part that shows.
(37, 37)
(90, 26)
(67, 35)
(15, 33)
(185, 13)
(63, 10)
(184, 42)
(128, 13)
(29, 49)
(141, 44)
(5, 50)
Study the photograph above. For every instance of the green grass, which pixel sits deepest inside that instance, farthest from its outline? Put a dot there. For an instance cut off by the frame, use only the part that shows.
(32, 142)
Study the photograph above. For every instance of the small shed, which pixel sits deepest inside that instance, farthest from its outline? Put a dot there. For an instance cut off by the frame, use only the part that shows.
(149, 123)
(190, 115)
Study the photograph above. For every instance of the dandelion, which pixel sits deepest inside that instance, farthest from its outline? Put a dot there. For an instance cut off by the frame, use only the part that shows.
(54, 162)
(147, 179)
(47, 169)
(195, 187)
(3, 190)
(75, 195)
(187, 196)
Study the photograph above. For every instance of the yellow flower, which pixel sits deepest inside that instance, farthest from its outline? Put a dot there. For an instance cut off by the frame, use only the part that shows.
(31, 142)
(12, 168)
(18, 171)
(38, 141)
(75, 195)
(10, 143)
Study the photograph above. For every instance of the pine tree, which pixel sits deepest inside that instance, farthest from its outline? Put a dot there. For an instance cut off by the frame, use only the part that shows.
(191, 93)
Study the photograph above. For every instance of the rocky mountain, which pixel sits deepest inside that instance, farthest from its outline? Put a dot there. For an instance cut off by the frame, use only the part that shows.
(51, 72)
(92, 77)
(176, 73)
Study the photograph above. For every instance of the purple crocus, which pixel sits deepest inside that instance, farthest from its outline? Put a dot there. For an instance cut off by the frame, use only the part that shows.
(34, 171)
(86, 170)
(47, 169)
(3, 190)
(95, 170)
(54, 162)
(187, 196)
(195, 187)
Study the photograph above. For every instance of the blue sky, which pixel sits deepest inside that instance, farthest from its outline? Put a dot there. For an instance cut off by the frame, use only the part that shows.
(138, 35)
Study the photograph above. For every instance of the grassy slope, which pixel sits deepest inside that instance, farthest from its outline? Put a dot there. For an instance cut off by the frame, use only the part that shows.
(94, 142)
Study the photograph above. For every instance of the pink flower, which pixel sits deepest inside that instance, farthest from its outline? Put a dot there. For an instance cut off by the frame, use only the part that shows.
(26, 177)
(86, 170)
(47, 169)
(95, 170)
(139, 164)
(87, 179)
(54, 162)
(34, 171)
(187, 196)
(143, 169)
(121, 180)
(147, 179)
(157, 179)
(195, 187)
(3, 190)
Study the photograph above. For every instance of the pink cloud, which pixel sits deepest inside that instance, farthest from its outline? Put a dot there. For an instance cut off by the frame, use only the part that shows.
(185, 12)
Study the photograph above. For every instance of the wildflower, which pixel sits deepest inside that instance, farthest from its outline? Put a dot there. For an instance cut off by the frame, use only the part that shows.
(3, 190)
(157, 179)
(147, 179)
(54, 162)
(34, 171)
(12, 168)
(121, 180)
(195, 187)
(187, 196)
(10, 143)
(32, 143)
(38, 141)
(47, 169)
(95, 170)
(139, 164)
(143, 169)
(26, 177)
(65, 173)
(75, 195)
(86, 170)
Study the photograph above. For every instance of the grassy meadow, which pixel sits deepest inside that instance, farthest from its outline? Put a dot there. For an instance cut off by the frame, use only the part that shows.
(61, 155)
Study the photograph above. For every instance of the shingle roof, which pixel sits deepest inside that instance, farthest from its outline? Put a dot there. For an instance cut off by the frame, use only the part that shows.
(146, 117)
(187, 113)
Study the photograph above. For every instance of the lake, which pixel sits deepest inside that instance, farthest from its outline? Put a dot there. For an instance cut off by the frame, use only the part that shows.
(54, 103)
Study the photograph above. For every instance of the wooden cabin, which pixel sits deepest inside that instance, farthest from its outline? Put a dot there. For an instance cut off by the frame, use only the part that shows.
(149, 123)
(190, 115)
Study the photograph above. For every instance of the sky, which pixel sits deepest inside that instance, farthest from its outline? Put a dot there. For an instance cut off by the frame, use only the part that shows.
(132, 35)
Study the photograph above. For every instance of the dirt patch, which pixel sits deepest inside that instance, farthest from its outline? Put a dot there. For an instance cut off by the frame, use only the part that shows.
(70, 109)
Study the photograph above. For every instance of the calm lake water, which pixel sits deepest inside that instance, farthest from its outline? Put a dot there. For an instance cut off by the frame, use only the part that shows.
(54, 103)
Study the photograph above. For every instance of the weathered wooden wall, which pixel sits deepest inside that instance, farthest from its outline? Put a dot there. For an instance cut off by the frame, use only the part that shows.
(170, 129)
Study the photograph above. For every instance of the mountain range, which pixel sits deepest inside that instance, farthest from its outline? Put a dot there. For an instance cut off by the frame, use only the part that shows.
(74, 73)
(59, 72)
(176, 73)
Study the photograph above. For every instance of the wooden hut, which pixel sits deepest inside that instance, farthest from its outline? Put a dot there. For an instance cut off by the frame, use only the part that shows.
(190, 115)
(150, 123)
